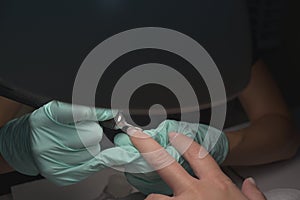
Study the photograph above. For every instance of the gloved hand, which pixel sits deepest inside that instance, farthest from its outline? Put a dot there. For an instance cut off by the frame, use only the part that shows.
(150, 182)
(46, 142)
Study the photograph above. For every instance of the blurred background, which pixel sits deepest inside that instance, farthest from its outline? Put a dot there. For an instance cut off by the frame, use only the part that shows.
(275, 28)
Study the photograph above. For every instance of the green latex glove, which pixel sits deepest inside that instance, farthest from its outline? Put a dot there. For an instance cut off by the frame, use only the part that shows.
(150, 182)
(46, 142)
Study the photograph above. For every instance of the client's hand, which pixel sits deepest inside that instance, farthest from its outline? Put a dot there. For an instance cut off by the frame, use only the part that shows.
(141, 175)
(211, 182)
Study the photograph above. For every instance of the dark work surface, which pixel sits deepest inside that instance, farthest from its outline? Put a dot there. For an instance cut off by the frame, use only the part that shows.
(14, 178)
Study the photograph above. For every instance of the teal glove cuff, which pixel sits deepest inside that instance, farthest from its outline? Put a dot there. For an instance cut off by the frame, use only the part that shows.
(15, 145)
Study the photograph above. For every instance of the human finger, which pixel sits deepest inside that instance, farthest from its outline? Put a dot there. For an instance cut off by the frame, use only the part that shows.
(166, 166)
(199, 159)
(158, 197)
(251, 191)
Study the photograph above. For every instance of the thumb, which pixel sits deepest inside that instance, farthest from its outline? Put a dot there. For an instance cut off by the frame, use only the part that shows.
(66, 113)
(251, 191)
(158, 197)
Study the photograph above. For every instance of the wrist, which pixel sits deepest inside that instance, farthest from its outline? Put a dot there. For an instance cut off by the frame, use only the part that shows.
(234, 141)
(4, 166)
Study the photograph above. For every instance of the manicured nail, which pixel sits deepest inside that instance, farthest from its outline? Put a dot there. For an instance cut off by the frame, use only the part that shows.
(251, 180)
(203, 153)
(131, 131)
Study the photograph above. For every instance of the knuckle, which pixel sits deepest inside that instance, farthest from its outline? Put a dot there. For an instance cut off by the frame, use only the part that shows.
(81, 111)
(220, 181)
(225, 185)
(159, 158)
(192, 151)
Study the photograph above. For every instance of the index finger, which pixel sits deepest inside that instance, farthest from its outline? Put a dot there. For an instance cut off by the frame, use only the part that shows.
(199, 159)
(165, 165)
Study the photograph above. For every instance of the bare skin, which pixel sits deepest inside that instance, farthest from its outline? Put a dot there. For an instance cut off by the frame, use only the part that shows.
(8, 110)
(271, 135)
(211, 182)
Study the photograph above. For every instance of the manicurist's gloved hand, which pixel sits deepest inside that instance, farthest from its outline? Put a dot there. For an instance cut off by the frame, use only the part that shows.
(141, 174)
(46, 142)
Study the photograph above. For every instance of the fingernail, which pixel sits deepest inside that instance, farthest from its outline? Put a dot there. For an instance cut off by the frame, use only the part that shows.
(251, 180)
(131, 131)
(203, 153)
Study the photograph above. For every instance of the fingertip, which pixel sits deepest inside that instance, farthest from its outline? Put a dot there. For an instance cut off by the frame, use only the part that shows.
(249, 183)
(251, 191)
(157, 197)
(251, 180)
(203, 153)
